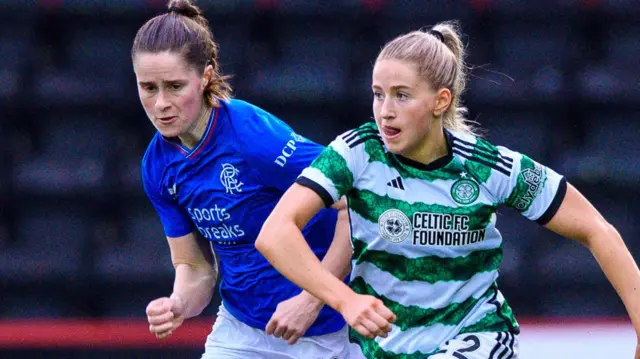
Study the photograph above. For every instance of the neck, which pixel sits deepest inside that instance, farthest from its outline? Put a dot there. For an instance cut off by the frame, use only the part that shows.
(191, 138)
(433, 146)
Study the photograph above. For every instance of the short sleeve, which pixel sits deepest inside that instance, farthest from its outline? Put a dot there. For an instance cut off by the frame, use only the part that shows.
(534, 190)
(174, 219)
(336, 169)
(273, 149)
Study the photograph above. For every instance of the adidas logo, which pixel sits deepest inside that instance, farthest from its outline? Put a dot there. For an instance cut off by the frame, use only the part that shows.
(396, 183)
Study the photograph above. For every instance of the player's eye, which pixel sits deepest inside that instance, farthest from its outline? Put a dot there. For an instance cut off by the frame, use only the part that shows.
(377, 95)
(402, 96)
(148, 88)
(176, 86)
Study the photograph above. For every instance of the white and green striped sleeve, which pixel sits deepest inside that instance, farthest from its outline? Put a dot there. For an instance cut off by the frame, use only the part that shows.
(532, 189)
(333, 173)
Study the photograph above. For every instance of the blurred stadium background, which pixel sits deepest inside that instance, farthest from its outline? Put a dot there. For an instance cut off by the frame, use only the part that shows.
(82, 252)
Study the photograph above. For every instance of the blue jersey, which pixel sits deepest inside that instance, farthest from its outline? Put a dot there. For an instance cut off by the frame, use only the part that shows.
(224, 188)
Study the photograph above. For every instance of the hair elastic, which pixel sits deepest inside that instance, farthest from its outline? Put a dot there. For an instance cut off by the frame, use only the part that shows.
(437, 34)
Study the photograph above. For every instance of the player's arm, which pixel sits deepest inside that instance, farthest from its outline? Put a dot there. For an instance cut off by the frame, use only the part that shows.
(282, 243)
(578, 219)
(196, 272)
(191, 256)
(338, 257)
(295, 315)
(543, 195)
(337, 260)
(195, 278)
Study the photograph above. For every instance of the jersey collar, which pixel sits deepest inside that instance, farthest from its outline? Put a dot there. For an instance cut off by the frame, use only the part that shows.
(437, 164)
(206, 136)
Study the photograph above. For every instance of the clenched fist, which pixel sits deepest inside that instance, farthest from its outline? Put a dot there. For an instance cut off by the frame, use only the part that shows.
(367, 315)
(165, 315)
(293, 317)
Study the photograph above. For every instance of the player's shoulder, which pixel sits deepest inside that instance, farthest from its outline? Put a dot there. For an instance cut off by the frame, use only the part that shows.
(154, 157)
(359, 136)
(153, 151)
(235, 105)
(251, 122)
(245, 112)
(482, 152)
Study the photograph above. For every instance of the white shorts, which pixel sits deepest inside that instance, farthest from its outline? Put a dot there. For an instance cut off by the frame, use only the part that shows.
(502, 345)
(232, 339)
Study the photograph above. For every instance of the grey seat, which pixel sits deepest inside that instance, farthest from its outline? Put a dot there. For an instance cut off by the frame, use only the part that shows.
(49, 244)
(140, 253)
(71, 157)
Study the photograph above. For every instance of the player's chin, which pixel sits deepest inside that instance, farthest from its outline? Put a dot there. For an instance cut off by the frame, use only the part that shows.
(395, 147)
(168, 130)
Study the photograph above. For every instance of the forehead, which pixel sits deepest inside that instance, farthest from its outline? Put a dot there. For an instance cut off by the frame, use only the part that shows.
(395, 73)
(163, 64)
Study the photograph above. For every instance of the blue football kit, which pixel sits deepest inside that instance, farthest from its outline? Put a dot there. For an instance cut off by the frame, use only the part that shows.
(225, 188)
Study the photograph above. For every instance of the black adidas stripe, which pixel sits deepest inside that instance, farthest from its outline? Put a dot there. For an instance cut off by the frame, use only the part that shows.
(488, 150)
(354, 134)
(482, 161)
(484, 155)
(511, 345)
(483, 150)
(363, 139)
(494, 301)
(347, 134)
(349, 137)
(396, 183)
(496, 347)
(504, 344)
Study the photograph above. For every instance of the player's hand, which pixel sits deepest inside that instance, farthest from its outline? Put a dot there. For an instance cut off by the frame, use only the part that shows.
(293, 317)
(367, 315)
(165, 315)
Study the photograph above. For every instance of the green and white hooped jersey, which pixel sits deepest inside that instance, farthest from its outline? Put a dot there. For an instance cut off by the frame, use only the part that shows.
(424, 237)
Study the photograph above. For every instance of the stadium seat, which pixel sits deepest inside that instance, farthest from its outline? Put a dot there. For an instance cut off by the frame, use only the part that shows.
(427, 12)
(528, 64)
(545, 9)
(14, 53)
(507, 128)
(611, 139)
(39, 303)
(71, 158)
(316, 8)
(140, 253)
(50, 242)
(106, 69)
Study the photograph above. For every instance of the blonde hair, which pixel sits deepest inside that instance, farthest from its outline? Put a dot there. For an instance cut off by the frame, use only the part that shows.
(440, 61)
(185, 30)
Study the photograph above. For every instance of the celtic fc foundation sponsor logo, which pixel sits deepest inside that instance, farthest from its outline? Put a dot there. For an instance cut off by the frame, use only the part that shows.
(465, 191)
(394, 226)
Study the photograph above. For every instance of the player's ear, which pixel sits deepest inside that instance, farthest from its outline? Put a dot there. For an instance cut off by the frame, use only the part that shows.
(206, 76)
(443, 101)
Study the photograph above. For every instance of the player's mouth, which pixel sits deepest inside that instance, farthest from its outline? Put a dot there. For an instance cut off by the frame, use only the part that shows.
(390, 133)
(167, 120)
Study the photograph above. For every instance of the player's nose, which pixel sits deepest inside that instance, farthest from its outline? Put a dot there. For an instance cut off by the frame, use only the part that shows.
(162, 102)
(387, 110)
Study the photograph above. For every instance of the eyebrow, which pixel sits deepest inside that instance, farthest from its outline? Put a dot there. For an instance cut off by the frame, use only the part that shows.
(143, 83)
(396, 87)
